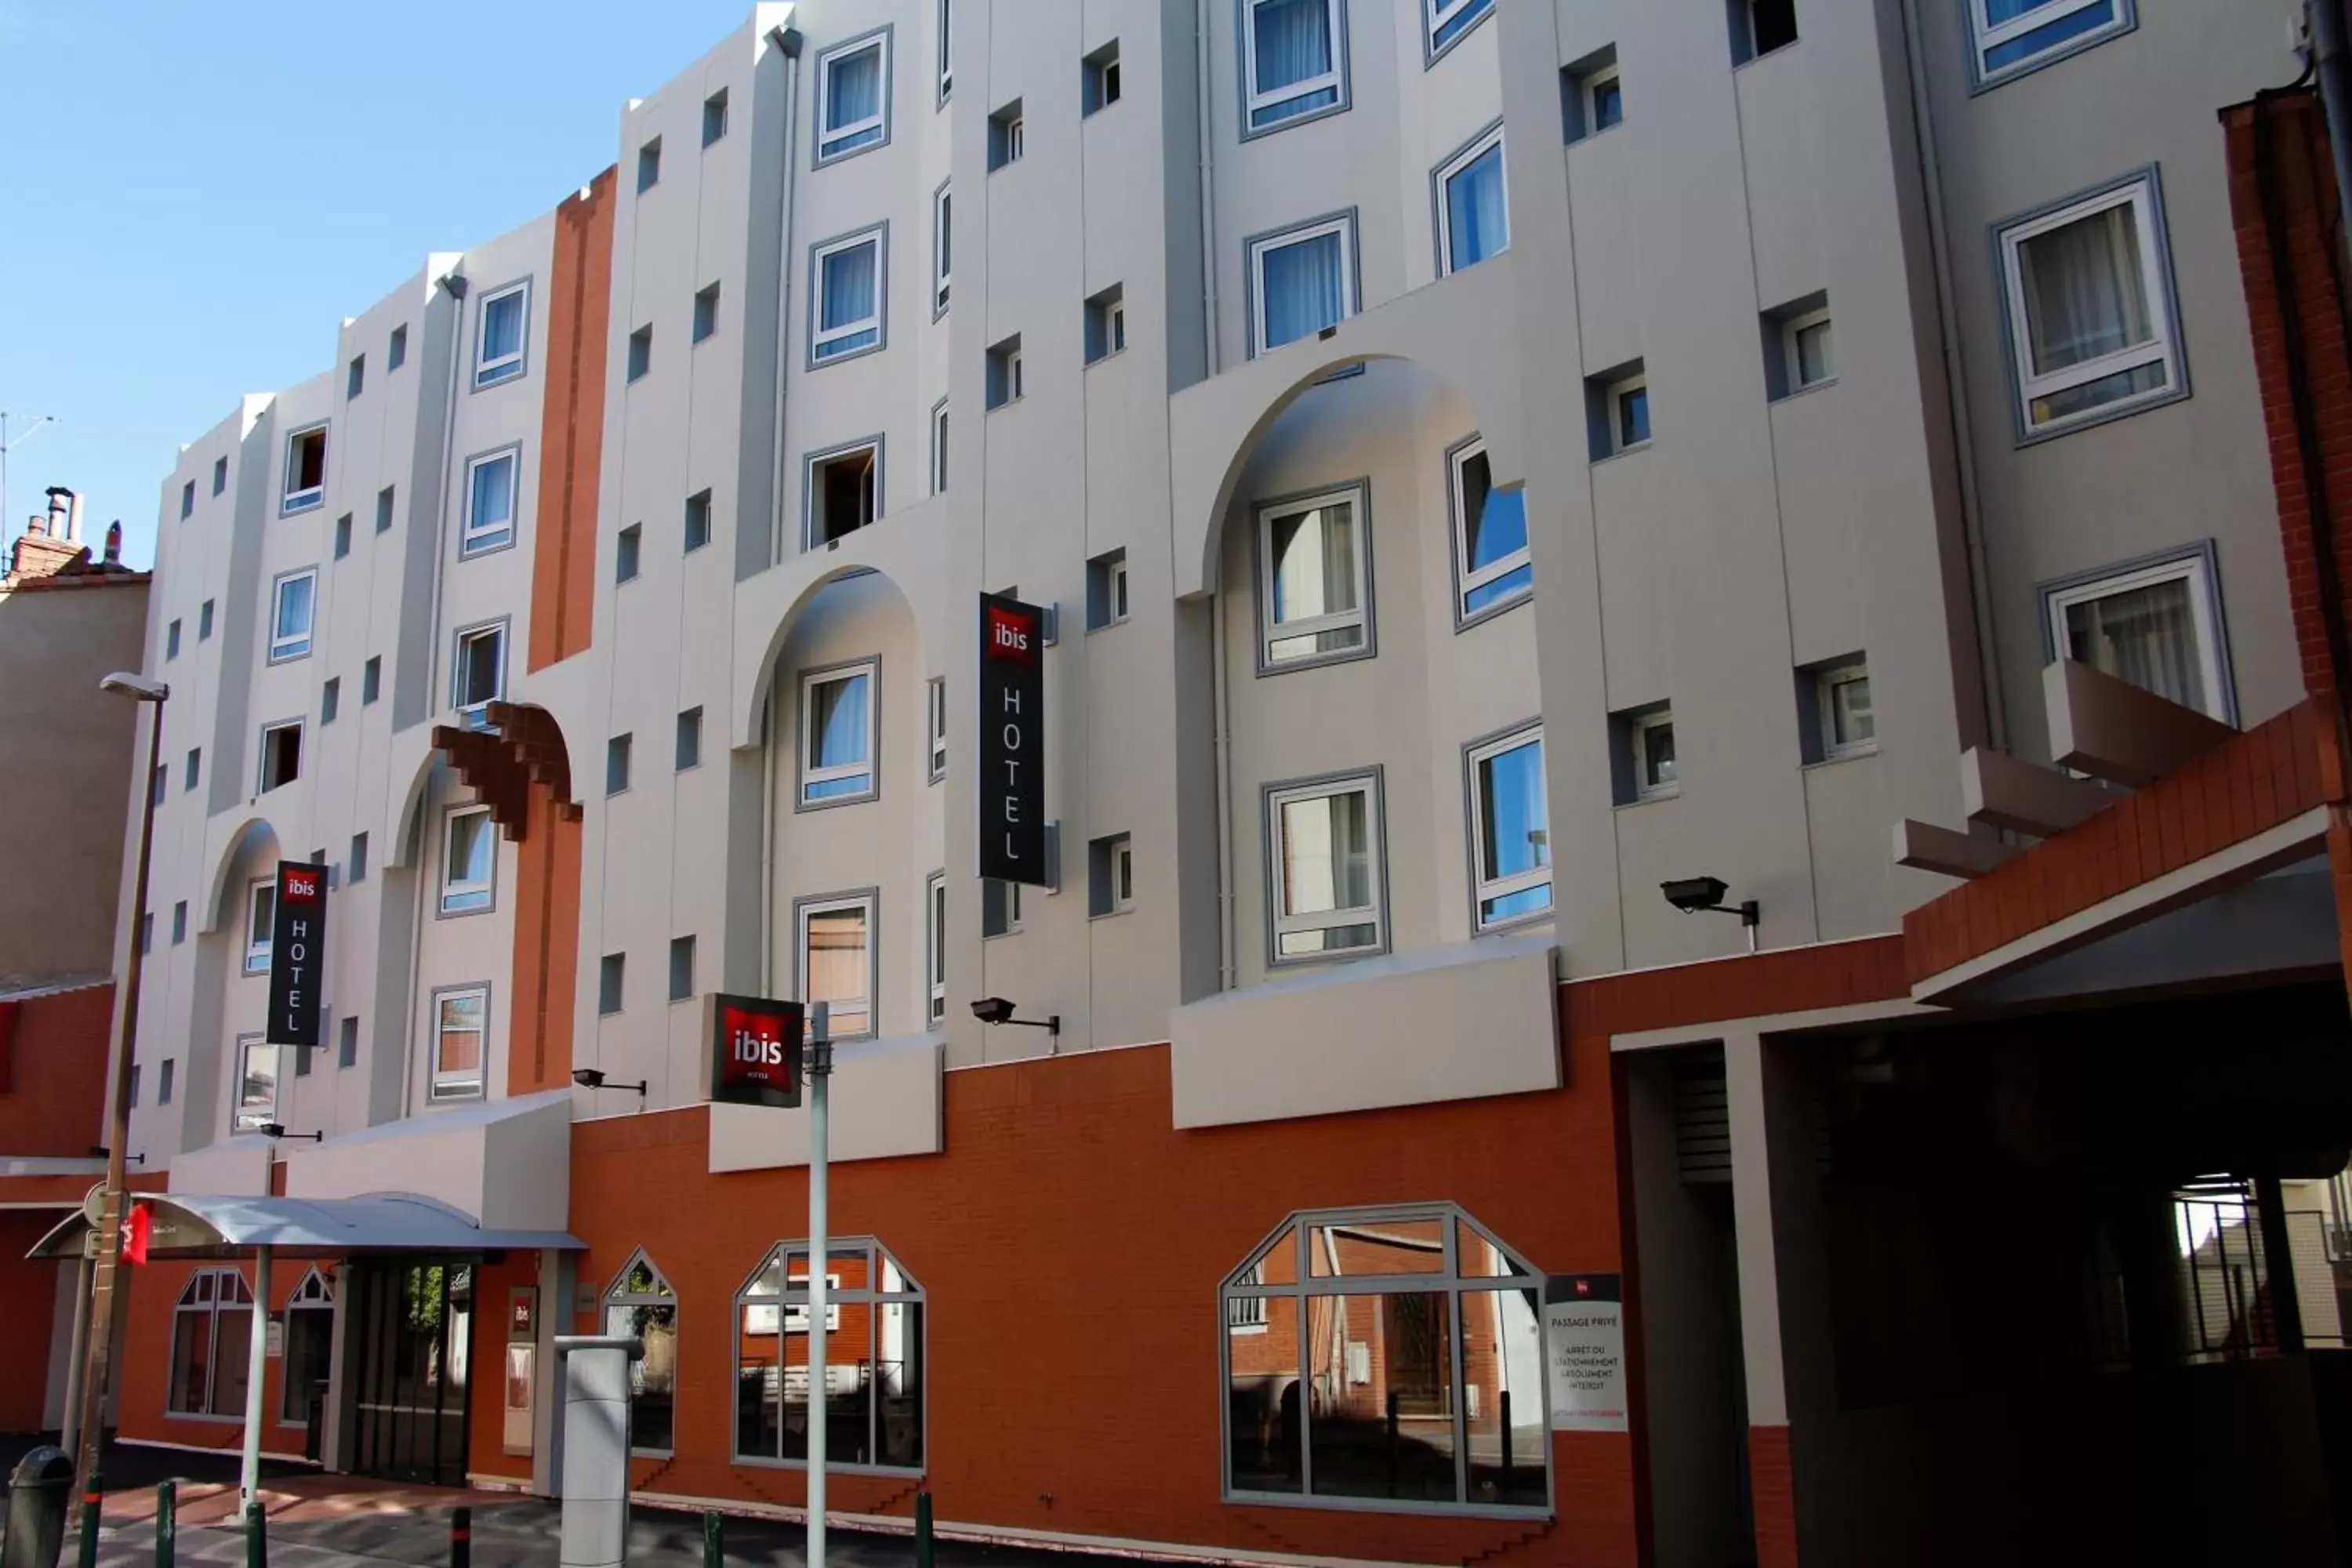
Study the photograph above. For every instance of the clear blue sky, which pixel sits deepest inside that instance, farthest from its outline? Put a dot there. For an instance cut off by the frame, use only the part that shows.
(194, 192)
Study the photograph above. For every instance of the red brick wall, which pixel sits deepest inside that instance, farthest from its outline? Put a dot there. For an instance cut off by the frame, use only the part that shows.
(145, 1375)
(546, 957)
(30, 1290)
(564, 563)
(53, 1085)
(1772, 1484)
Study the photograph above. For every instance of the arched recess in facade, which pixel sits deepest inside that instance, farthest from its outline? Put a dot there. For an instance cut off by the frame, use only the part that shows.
(519, 763)
(253, 842)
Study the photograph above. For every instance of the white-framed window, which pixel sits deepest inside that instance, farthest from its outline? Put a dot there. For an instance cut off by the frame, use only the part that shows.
(1629, 414)
(469, 859)
(640, 1305)
(1000, 907)
(852, 95)
(293, 605)
(876, 1357)
(491, 487)
(2090, 307)
(461, 1019)
(306, 469)
(309, 1349)
(282, 755)
(940, 448)
(1314, 579)
(212, 1345)
(935, 945)
(1474, 218)
(1848, 727)
(834, 953)
(1449, 19)
(1301, 280)
(477, 675)
(837, 734)
(1491, 565)
(2157, 626)
(936, 726)
(845, 304)
(1652, 739)
(1324, 870)
(1806, 350)
(256, 1085)
(1294, 61)
(843, 491)
(714, 117)
(503, 335)
(1510, 833)
(2013, 37)
(942, 247)
(260, 924)
(1605, 99)
(946, 30)
(1122, 875)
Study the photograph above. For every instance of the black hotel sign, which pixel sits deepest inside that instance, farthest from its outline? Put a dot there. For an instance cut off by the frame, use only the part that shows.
(1011, 740)
(297, 952)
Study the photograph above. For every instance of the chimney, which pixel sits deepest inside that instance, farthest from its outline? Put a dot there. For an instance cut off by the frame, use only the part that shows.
(36, 526)
(63, 501)
(114, 542)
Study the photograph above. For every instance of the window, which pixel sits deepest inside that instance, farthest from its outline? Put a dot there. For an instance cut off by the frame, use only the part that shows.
(853, 97)
(876, 1389)
(172, 641)
(371, 681)
(256, 1085)
(309, 1349)
(147, 932)
(937, 728)
(158, 784)
(698, 521)
(503, 335)
(1617, 410)
(383, 498)
(282, 755)
(626, 547)
(469, 859)
(714, 117)
(1107, 599)
(1323, 872)
(1422, 1377)
(204, 621)
(641, 351)
(648, 165)
(2010, 38)
(837, 735)
(943, 248)
(1110, 876)
(689, 739)
(195, 768)
(616, 765)
(940, 448)
(396, 350)
(947, 50)
(2157, 626)
(845, 296)
(2090, 309)
(836, 951)
(1510, 836)
(1760, 27)
(212, 1345)
(1000, 907)
(681, 968)
(306, 469)
(490, 501)
(220, 475)
(1314, 570)
(1473, 220)
(1007, 136)
(1592, 95)
(1294, 62)
(355, 378)
(347, 1042)
(164, 1082)
(478, 673)
(1491, 568)
(1448, 20)
(1099, 89)
(1810, 364)
(292, 599)
(358, 857)
(1798, 353)
(460, 1029)
(188, 500)
(843, 491)
(1842, 698)
(641, 1305)
(1004, 383)
(330, 701)
(343, 536)
(705, 312)
(1649, 736)
(612, 977)
(935, 946)
(1301, 281)
(179, 922)
(1107, 323)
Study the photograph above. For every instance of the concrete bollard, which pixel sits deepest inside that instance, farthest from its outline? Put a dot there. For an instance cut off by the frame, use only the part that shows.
(596, 1531)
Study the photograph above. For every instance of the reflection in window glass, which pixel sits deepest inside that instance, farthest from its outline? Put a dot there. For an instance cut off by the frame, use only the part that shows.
(837, 965)
(1514, 842)
(1491, 551)
(1312, 566)
(1324, 874)
(873, 1403)
(2144, 636)
(1262, 1395)
(642, 1305)
(1382, 1371)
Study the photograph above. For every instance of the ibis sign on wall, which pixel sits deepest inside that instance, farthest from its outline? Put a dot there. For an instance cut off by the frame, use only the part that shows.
(298, 955)
(1012, 742)
(755, 1050)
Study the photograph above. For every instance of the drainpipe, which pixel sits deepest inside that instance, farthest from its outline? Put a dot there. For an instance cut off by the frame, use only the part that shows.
(788, 39)
(1217, 662)
(1208, 205)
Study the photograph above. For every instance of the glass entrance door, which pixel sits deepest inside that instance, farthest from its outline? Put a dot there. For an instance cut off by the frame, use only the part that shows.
(407, 1356)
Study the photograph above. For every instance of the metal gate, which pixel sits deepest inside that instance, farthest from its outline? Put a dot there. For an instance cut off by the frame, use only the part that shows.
(407, 1354)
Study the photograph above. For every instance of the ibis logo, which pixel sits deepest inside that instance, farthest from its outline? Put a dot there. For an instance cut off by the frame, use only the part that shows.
(755, 1052)
(1010, 634)
(304, 884)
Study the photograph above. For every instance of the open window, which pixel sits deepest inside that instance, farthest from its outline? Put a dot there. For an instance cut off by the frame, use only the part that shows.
(1510, 836)
(640, 1305)
(1492, 570)
(876, 1387)
(282, 755)
(306, 469)
(844, 489)
(478, 673)
(469, 859)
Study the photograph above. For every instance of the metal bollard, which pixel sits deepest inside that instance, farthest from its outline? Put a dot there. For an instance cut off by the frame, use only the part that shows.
(923, 1530)
(714, 1539)
(257, 1536)
(92, 1495)
(461, 1537)
(167, 1522)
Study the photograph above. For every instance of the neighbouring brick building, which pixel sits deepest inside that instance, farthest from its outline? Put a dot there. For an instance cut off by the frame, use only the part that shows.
(1568, 782)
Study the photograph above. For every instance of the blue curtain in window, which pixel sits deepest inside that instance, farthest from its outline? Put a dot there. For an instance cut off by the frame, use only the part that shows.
(854, 92)
(1293, 41)
(294, 607)
(2066, 24)
(493, 494)
(502, 326)
(1306, 288)
(1478, 222)
(847, 288)
(840, 739)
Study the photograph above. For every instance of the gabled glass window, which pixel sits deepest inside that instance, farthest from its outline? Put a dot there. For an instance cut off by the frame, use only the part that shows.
(874, 1389)
(642, 1305)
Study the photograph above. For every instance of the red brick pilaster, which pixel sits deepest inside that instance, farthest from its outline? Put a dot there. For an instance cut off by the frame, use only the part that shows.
(1772, 1488)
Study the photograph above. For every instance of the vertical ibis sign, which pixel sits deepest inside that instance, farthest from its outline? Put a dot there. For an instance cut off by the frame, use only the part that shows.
(297, 954)
(1011, 740)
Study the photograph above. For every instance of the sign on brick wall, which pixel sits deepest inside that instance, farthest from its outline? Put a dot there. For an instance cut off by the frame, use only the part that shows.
(298, 955)
(1012, 742)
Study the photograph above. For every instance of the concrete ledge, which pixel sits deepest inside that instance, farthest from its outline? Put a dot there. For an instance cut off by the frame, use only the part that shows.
(237, 1168)
(1452, 1023)
(886, 1102)
(506, 1163)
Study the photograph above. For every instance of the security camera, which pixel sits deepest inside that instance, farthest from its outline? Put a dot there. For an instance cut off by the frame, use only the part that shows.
(991, 1010)
(1692, 894)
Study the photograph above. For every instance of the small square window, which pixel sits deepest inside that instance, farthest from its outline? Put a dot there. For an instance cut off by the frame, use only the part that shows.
(1809, 351)
(343, 536)
(1474, 217)
(1798, 354)
(293, 611)
(1007, 136)
(330, 700)
(1760, 27)
(681, 968)
(625, 553)
(1492, 569)
(940, 448)
(358, 857)
(1107, 590)
(192, 770)
(1842, 709)
(648, 165)
(1101, 85)
(158, 784)
(1301, 281)
(705, 312)
(1511, 835)
(934, 945)
(172, 641)
(503, 337)
(1006, 378)
(1323, 872)
(477, 674)
(844, 491)
(846, 296)
(1314, 576)
(714, 117)
(1294, 61)
(641, 351)
(936, 728)
(164, 1082)
(853, 87)
(395, 354)
(1110, 876)
(355, 378)
(469, 859)
(306, 469)
(204, 621)
(697, 521)
(188, 500)
(220, 475)
(301, 1061)
(179, 922)
(1643, 748)
(384, 499)
(616, 765)
(1107, 323)
(689, 739)
(1591, 95)
(347, 1042)
(837, 735)
(2088, 299)
(1617, 410)
(612, 982)
(281, 755)
(371, 681)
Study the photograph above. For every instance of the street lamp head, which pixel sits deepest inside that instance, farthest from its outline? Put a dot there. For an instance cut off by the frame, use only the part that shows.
(138, 688)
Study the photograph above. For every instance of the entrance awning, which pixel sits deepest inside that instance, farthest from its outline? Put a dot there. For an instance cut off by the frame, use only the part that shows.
(188, 1225)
